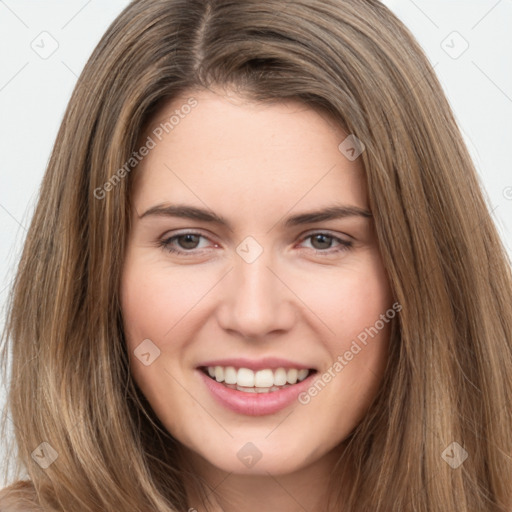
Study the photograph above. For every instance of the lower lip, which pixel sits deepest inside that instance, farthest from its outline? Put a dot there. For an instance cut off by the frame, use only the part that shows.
(255, 404)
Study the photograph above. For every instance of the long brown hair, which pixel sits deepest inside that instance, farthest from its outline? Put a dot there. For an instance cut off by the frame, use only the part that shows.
(449, 374)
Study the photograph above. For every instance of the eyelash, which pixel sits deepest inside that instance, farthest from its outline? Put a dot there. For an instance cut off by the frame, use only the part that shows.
(166, 244)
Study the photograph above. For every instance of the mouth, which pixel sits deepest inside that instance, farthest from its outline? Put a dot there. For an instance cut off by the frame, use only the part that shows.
(255, 387)
(266, 380)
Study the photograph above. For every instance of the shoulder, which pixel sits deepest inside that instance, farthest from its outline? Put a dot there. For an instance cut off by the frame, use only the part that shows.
(19, 497)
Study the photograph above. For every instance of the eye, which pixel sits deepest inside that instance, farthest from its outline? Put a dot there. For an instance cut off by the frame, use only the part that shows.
(188, 242)
(324, 240)
(185, 244)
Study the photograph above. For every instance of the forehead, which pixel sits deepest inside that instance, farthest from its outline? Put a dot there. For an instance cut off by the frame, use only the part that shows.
(227, 146)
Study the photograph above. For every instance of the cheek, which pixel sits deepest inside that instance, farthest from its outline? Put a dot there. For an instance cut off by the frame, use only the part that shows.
(154, 300)
(368, 296)
(365, 325)
(347, 300)
(356, 306)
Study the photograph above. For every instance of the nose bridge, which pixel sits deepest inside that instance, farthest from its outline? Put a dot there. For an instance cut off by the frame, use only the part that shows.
(258, 302)
(254, 280)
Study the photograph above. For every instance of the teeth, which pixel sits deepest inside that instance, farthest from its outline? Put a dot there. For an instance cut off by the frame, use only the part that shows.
(245, 377)
(302, 374)
(247, 390)
(219, 374)
(229, 375)
(291, 376)
(280, 377)
(262, 381)
(259, 390)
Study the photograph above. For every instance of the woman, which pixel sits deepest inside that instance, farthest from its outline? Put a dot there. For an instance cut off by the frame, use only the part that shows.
(256, 368)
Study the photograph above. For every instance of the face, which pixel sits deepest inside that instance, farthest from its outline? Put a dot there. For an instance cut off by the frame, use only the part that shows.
(290, 312)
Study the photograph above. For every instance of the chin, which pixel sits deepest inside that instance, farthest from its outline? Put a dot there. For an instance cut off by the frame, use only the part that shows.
(260, 456)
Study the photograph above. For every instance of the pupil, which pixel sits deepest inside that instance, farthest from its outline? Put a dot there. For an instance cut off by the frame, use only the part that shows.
(316, 237)
(192, 239)
(188, 240)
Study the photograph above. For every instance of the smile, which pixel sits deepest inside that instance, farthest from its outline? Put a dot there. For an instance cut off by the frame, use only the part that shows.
(262, 381)
(255, 392)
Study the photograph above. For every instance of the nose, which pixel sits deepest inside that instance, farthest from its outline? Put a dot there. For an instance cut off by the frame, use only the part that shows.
(257, 301)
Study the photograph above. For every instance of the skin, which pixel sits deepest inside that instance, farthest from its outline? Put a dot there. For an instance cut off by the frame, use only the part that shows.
(254, 165)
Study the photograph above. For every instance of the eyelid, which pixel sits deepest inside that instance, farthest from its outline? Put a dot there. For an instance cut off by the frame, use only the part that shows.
(165, 242)
(325, 232)
(343, 244)
(184, 232)
(302, 236)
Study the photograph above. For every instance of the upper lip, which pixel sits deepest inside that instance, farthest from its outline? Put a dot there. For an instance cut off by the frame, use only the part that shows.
(256, 364)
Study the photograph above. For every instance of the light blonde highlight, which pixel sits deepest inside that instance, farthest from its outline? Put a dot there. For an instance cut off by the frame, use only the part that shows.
(448, 377)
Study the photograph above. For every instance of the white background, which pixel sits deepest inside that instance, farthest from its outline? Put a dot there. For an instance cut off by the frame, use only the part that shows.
(34, 92)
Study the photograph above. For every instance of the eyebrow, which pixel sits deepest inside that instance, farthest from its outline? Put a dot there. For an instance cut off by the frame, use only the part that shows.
(195, 213)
